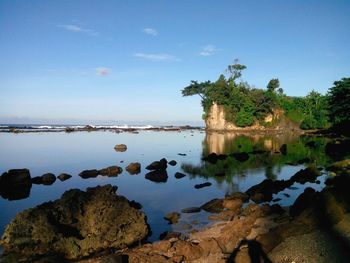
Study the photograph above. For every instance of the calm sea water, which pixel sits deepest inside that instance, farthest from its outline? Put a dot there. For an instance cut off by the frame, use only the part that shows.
(60, 152)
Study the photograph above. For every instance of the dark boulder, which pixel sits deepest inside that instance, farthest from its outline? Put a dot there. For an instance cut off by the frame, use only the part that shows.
(76, 226)
(158, 176)
(308, 174)
(179, 175)
(172, 163)
(133, 168)
(199, 186)
(15, 184)
(111, 171)
(88, 174)
(158, 165)
(304, 200)
(63, 177)
(48, 179)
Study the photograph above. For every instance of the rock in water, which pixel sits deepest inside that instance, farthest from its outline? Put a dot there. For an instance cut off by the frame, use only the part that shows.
(120, 147)
(133, 168)
(111, 171)
(15, 184)
(88, 174)
(63, 177)
(48, 179)
(77, 225)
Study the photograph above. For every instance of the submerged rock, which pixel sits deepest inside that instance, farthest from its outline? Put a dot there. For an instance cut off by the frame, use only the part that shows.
(172, 217)
(77, 225)
(133, 168)
(199, 186)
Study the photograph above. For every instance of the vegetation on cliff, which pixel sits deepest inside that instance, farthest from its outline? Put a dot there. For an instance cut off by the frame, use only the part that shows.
(245, 104)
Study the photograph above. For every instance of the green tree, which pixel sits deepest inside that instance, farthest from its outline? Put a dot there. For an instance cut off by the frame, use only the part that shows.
(273, 85)
(339, 104)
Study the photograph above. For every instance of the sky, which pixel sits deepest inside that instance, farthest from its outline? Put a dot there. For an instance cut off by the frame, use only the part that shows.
(126, 61)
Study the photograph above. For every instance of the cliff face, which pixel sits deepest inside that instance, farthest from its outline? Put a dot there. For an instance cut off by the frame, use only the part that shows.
(216, 121)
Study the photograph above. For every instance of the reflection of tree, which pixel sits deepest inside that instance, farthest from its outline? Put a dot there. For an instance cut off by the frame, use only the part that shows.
(263, 153)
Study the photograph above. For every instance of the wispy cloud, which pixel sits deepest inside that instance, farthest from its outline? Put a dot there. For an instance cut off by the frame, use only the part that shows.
(102, 71)
(78, 29)
(150, 31)
(208, 50)
(156, 57)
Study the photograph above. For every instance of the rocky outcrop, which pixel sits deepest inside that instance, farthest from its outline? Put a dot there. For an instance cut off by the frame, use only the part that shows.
(216, 121)
(77, 225)
(15, 184)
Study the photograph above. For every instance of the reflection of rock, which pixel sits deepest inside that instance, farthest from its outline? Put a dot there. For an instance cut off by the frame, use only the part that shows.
(283, 149)
(120, 147)
(15, 184)
(158, 176)
(111, 171)
(133, 168)
(77, 225)
(241, 157)
(308, 174)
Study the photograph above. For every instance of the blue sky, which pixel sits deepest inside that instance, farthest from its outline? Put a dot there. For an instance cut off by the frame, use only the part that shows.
(87, 61)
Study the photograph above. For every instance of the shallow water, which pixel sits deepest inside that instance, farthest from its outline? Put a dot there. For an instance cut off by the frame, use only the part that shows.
(71, 153)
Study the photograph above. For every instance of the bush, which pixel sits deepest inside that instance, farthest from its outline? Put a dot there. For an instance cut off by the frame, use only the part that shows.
(244, 118)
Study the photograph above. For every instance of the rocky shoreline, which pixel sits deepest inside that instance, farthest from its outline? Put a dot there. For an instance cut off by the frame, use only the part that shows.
(92, 224)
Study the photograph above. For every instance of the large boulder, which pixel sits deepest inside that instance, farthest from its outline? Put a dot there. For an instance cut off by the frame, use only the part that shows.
(77, 225)
(15, 184)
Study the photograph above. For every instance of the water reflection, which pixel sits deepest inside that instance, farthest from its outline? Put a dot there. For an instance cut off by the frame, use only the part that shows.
(228, 155)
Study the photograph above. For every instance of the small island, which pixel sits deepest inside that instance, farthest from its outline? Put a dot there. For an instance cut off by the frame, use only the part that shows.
(230, 104)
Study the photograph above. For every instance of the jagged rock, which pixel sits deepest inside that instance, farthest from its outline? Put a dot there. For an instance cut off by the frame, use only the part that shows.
(308, 174)
(111, 171)
(77, 225)
(63, 177)
(15, 184)
(199, 186)
(304, 200)
(158, 176)
(179, 175)
(158, 165)
(173, 217)
(172, 163)
(133, 168)
(120, 147)
(88, 174)
(213, 206)
(48, 178)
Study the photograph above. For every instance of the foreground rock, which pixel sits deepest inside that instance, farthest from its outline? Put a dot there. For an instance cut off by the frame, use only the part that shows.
(77, 225)
(15, 184)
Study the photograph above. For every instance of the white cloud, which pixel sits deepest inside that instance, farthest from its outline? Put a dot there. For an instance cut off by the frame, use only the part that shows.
(78, 29)
(150, 31)
(156, 57)
(208, 50)
(102, 71)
